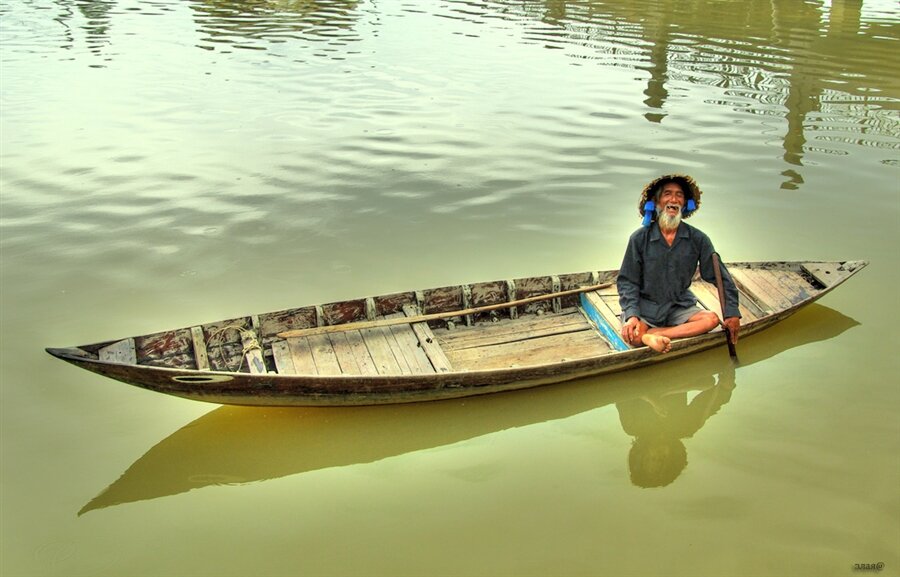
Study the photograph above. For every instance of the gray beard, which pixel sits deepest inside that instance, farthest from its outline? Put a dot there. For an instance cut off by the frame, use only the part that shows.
(667, 222)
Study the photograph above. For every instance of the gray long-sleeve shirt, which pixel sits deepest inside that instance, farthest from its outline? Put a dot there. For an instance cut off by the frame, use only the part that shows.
(654, 277)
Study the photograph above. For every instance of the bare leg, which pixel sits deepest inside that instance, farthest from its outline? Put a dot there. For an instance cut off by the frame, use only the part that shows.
(700, 323)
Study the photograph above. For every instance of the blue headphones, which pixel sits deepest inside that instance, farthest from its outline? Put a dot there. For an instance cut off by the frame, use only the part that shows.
(650, 209)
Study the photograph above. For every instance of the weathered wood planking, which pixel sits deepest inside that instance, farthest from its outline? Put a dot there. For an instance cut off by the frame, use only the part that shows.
(323, 355)
(794, 286)
(428, 342)
(573, 281)
(507, 331)
(825, 273)
(749, 300)
(608, 305)
(442, 300)
(360, 352)
(707, 296)
(768, 281)
(270, 324)
(536, 351)
(281, 353)
(759, 292)
(393, 303)
(122, 352)
(200, 353)
(344, 312)
(750, 304)
(771, 279)
(301, 356)
(160, 348)
(610, 297)
(344, 353)
(403, 320)
(529, 287)
(406, 344)
(176, 361)
(386, 363)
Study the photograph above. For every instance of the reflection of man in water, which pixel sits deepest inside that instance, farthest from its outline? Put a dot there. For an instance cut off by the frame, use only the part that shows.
(659, 422)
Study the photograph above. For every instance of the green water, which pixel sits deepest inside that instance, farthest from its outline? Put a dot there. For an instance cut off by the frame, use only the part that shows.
(167, 163)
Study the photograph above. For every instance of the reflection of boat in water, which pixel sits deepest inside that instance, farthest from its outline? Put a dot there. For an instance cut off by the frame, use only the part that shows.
(232, 445)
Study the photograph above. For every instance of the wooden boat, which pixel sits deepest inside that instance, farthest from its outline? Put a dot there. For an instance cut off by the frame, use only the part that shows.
(433, 344)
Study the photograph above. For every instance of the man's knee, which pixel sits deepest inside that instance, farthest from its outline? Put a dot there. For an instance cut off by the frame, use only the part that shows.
(709, 319)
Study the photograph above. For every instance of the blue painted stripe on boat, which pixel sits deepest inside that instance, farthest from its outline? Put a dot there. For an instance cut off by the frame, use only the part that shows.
(607, 331)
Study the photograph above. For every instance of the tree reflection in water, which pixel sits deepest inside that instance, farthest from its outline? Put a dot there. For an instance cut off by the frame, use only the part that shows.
(801, 61)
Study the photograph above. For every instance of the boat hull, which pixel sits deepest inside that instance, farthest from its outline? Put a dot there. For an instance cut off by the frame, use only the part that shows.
(270, 388)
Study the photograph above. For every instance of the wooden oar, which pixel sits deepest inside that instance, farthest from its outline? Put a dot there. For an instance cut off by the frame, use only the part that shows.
(435, 316)
(717, 265)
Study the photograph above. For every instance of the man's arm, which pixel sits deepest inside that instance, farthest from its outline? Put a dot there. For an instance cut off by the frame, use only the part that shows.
(628, 283)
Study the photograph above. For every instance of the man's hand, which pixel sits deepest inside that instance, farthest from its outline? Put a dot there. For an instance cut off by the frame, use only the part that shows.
(633, 330)
(733, 324)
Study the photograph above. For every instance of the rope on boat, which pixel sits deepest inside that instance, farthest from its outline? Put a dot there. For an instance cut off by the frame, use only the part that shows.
(248, 338)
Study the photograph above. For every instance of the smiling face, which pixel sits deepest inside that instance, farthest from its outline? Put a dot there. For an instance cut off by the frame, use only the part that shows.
(669, 204)
(672, 197)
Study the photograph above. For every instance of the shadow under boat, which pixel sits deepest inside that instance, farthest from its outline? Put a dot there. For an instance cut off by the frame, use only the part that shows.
(236, 445)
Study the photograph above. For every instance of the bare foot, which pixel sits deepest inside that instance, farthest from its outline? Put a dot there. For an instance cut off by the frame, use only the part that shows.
(658, 343)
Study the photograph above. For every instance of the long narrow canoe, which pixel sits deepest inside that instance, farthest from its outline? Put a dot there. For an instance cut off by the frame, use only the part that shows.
(433, 344)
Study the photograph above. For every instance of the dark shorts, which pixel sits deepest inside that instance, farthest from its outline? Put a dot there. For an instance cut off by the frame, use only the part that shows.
(677, 316)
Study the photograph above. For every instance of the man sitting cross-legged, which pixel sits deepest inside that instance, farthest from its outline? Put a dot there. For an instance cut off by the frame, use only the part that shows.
(658, 268)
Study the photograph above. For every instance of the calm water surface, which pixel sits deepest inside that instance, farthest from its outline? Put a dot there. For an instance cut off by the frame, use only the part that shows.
(167, 163)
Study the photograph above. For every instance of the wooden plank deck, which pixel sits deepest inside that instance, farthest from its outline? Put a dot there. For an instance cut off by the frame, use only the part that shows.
(708, 296)
(390, 350)
(537, 351)
(427, 341)
(123, 352)
(509, 331)
(793, 285)
(384, 359)
(759, 293)
(530, 340)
